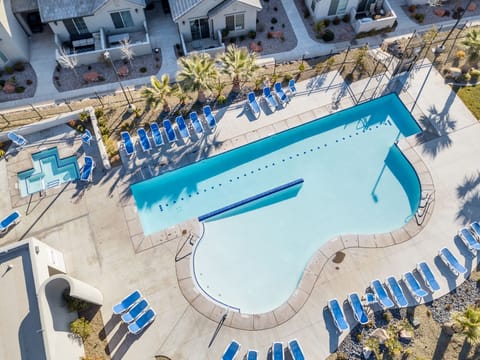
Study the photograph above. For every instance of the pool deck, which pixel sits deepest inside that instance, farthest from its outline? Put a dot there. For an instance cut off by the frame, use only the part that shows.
(97, 230)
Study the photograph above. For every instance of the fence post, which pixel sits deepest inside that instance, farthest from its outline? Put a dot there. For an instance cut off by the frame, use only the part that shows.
(34, 109)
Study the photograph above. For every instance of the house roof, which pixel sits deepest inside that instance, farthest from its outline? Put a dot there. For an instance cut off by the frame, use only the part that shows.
(52, 10)
(225, 3)
(19, 6)
(179, 8)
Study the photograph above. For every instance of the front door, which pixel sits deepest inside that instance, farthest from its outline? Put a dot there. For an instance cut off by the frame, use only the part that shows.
(199, 29)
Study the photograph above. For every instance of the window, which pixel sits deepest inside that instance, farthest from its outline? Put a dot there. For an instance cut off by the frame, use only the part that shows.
(122, 19)
(235, 22)
(199, 29)
(3, 57)
(76, 26)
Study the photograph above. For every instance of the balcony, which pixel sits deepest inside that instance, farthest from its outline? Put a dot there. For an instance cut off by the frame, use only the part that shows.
(379, 16)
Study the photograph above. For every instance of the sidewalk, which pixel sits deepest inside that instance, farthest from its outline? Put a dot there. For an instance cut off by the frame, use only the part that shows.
(164, 35)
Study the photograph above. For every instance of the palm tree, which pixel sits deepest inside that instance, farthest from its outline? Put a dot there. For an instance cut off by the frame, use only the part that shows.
(158, 91)
(472, 43)
(239, 64)
(198, 74)
(469, 322)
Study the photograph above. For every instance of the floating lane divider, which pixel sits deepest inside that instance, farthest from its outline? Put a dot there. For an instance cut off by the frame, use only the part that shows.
(249, 199)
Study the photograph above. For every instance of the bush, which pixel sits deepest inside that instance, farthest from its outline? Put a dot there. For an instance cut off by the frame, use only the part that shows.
(9, 70)
(80, 128)
(81, 327)
(274, 20)
(460, 54)
(252, 34)
(99, 113)
(269, 35)
(12, 80)
(19, 66)
(306, 14)
(19, 89)
(319, 26)
(328, 35)
(222, 99)
(224, 34)
(2, 153)
(412, 8)
(346, 18)
(29, 82)
(126, 126)
(419, 17)
(336, 20)
(475, 72)
(143, 69)
(349, 77)
(74, 304)
(326, 22)
(242, 37)
(2, 82)
(287, 77)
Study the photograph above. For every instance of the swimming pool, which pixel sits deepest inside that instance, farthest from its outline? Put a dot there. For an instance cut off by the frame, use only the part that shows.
(354, 180)
(48, 171)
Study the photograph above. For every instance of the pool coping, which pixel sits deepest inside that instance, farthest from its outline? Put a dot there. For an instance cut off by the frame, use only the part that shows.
(207, 306)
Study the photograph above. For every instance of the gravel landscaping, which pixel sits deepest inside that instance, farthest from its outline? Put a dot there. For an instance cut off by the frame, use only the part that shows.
(23, 83)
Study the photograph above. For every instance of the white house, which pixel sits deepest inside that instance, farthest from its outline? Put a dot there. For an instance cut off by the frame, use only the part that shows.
(13, 39)
(203, 20)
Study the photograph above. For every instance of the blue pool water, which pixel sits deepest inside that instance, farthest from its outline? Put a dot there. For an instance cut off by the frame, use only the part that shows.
(48, 171)
(251, 257)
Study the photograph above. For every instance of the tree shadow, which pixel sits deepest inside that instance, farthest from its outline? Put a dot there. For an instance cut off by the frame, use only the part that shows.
(469, 184)
(442, 345)
(435, 136)
(469, 210)
(333, 332)
(466, 347)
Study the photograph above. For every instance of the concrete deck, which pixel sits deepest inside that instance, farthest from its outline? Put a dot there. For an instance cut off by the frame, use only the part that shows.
(94, 231)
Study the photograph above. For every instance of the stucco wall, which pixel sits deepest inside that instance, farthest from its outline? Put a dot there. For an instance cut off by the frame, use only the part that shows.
(218, 21)
(322, 7)
(102, 19)
(14, 43)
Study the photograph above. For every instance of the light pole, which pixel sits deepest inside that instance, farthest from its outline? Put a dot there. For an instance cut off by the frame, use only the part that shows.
(107, 56)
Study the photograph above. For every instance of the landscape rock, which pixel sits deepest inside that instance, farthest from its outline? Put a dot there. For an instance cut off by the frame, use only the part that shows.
(439, 12)
(8, 88)
(366, 352)
(405, 335)
(380, 334)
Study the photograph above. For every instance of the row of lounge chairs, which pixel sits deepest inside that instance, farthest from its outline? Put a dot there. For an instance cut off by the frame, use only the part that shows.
(272, 101)
(380, 294)
(296, 351)
(171, 136)
(135, 311)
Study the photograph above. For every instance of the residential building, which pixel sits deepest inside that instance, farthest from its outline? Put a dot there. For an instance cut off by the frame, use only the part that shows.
(14, 44)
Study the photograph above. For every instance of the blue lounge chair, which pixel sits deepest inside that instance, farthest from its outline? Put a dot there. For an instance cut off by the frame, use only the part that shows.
(197, 125)
(296, 350)
(469, 240)
(252, 355)
(231, 351)
(171, 136)
(127, 302)
(451, 261)
(414, 286)
(475, 226)
(182, 127)
(135, 311)
(253, 104)
(127, 143)
(209, 117)
(87, 170)
(87, 137)
(280, 93)
(10, 220)
(396, 291)
(427, 276)
(144, 140)
(277, 351)
(292, 87)
(338, 315)
(156, 134)
(17, 139)
(358, 309)
(382, 295)
(142, 322)
(267, 94)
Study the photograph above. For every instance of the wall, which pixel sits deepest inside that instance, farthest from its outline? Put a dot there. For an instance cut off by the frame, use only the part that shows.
(235, 8)
(361, 26)
(322, 7)
(102, 19)
(14, 43)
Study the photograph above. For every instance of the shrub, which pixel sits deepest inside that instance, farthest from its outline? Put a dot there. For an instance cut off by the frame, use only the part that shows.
(346, 18)
(19, 89)
(301, 67)
(306, 14)
(101, 78)
(143, 69)
(349, 77)
(12, 80)
(126, 126)
(275, 8)
(224, 34)
(336, 20)
(74, 304)
(328, 35)
(326, 22)
(387, 316)
(319, 26)
(80, 128)
(475, 72)
(99, 113)
(2, 153)
(19, 66)
(287, 77)
(242, 37)
(81, 327)
(274, 20)
(84, 116)
(419, 17)
(233, 39)
(269, 35)
(465, 77)
(29, 82)
(460, 54)
(222, 99)
(2, 82)
(412, 8)
(9, 70)
(252, 34)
